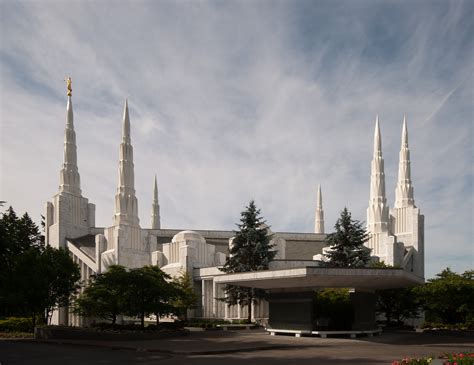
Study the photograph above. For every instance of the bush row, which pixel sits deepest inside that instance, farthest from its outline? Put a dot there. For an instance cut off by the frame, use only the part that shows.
(16, 324)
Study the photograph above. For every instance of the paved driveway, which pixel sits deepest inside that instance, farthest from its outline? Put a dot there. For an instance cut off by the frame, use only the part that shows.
(239, 347)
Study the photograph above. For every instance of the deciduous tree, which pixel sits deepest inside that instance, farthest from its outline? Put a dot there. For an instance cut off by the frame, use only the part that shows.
(104, 296)
(449, 297)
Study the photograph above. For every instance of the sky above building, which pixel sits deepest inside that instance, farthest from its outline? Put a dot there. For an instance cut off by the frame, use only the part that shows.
(238, 100)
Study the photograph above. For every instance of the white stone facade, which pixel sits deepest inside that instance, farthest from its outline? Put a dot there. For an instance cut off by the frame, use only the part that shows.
(397, 237)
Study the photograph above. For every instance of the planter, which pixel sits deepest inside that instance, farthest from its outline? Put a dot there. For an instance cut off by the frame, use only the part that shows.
(75, 333)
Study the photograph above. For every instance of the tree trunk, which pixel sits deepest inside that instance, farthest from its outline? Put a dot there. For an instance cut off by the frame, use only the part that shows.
(33, 320)
(114, 318)
(142, 318)
(157, 318)
(249, 317)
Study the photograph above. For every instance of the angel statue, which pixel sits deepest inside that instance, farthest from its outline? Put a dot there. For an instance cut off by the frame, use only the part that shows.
(69, 87)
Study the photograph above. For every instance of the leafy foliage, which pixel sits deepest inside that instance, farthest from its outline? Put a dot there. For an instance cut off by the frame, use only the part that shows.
(333, 309)
(397, 304)
(149, 292)
(137, 292)
(16, 324)
(34, 279)
(448, 298)
(104, 296)
(347, 243)
(251, 250)
(187, 297)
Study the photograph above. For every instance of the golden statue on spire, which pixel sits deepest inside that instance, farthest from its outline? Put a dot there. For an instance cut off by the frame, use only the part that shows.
(69, 87)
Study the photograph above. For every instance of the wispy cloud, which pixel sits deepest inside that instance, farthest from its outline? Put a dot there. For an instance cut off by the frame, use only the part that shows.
(236, 100)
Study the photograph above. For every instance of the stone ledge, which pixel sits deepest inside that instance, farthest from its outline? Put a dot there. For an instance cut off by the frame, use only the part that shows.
(230, 326)
(324, 334)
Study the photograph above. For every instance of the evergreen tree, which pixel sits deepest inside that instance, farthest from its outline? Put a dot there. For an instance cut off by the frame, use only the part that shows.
(42, 281)
(187, 297)
(250, 250)
(347, 243)
(17, 236)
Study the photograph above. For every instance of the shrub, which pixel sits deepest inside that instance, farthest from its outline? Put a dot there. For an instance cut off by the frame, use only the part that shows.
(16, 324)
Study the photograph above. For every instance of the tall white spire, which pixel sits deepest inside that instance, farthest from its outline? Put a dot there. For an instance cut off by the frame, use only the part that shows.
(69, 178)
(155, 208)
(126, 204)
(319, 221)
(377, 212)
(404, 189)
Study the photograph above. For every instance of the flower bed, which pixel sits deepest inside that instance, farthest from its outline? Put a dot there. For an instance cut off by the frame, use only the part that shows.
(446, 359)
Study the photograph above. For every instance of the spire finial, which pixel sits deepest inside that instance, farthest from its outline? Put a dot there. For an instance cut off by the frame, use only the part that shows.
(405, 133)
(155, 191)
(320, 197)
(377, 137)
(319, 221)
(126, 124)
(155, 208)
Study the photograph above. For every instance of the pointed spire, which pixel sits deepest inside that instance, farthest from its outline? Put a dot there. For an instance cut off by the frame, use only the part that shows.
(126, 124)
(155, 208)
(377, 138)
(69, 178)
(319, 221)
(126, 204)
(377, 212)
(404, 189)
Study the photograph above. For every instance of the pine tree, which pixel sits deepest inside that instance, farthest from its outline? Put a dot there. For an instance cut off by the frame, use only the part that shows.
(347, 243)
(187, 297)
(251, 250)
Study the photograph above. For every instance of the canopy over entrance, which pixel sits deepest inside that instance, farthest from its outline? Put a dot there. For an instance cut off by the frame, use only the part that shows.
(307, 278)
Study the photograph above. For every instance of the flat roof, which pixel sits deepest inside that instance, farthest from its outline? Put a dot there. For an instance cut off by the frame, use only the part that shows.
(319, 277)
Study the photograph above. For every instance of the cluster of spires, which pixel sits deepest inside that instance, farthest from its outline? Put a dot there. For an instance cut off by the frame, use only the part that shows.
(378, 211)
(378, 219)
(126, 204)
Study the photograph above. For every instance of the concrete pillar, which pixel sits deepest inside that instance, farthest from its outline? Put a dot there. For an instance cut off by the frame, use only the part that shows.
(292, 311)
(364, 311)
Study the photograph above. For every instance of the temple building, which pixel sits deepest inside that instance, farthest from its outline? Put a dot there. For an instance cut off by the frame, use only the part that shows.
(396, 235)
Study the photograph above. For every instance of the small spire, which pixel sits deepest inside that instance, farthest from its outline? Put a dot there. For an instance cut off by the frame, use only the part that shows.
(319, 221)
(155, 208)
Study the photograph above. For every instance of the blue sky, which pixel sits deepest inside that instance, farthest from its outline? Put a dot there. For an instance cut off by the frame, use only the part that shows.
(233, 100)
